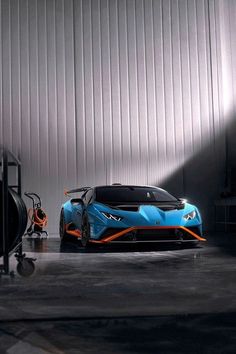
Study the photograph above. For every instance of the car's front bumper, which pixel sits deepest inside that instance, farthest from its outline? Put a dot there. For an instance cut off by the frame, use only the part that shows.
(138, 234)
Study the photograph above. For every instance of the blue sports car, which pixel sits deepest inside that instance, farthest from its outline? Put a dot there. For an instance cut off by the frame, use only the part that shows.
(128, 214)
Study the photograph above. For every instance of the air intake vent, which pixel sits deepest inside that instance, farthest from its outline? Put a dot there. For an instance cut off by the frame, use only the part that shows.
(129, 208)
(126, 207)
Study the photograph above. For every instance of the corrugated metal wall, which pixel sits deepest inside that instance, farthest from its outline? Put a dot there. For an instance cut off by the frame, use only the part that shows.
(229, 73)
(102, 91)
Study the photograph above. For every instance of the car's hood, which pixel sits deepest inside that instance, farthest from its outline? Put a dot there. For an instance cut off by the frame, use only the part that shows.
(146, 215)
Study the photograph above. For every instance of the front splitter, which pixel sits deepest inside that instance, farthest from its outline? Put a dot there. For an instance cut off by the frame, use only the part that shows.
(115, 237)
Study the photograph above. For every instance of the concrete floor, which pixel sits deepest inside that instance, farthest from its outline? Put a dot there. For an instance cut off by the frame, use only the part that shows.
(149, 299)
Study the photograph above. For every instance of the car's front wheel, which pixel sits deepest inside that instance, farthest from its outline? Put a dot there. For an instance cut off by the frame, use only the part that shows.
(85, 234)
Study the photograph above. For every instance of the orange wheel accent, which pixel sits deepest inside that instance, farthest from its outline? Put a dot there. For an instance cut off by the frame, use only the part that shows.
(75, 233)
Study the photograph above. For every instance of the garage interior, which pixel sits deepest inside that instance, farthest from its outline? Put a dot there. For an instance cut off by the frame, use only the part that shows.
(96, 92)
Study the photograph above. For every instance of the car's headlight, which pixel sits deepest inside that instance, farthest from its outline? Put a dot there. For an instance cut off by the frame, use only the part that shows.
(190, 216)
(111, 216)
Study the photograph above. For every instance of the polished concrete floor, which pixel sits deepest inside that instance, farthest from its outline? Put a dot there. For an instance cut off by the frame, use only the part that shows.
(142, 299)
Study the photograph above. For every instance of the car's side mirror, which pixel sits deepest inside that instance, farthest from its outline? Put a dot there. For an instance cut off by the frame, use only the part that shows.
(76, 201)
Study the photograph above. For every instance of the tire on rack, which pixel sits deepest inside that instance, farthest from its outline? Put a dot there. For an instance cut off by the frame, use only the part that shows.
(17, 219)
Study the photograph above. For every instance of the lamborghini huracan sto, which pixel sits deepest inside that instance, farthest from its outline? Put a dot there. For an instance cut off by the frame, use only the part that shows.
(129, 214)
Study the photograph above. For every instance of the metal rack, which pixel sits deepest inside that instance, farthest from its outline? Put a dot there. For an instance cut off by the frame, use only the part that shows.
(25, 265)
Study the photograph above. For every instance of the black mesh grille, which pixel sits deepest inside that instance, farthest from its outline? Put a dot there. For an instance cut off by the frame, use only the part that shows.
(167, 208)
(157, 235)
(128, 208)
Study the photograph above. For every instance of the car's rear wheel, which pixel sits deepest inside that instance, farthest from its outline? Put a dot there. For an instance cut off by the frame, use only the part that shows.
(62, 227)
(85, 234)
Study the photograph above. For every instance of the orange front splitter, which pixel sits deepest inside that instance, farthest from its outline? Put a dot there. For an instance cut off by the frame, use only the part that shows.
(77, 233)
(123, 232)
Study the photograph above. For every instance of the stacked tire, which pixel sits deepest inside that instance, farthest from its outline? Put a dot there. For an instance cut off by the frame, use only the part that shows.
(17, 219)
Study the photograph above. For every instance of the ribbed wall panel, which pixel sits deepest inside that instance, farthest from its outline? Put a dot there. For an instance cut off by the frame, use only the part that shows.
(230, 76)
(131, 91)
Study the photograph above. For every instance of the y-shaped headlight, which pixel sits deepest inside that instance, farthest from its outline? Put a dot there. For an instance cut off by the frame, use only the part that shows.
(190, 216)
(111, 216)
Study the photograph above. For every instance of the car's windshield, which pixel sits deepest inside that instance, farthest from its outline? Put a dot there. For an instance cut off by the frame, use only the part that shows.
(126, 194)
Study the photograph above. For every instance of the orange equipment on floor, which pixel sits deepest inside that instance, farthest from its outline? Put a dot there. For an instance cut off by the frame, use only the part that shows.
(37, 216)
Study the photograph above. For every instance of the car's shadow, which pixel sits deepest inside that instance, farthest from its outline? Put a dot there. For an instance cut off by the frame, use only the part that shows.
(54, 245)
(75, 247)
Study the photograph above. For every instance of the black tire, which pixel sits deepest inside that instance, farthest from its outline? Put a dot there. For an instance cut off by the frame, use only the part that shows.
(62, 229)
(17, 219)
(85, 232)
(26, 267)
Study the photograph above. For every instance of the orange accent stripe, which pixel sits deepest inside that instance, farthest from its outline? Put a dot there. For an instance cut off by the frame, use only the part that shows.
(121, 233)
(76, 233)
(193, 233)
(116, 235)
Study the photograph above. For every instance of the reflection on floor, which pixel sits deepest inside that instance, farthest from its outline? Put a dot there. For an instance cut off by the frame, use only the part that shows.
(148, 299)
(168, 334)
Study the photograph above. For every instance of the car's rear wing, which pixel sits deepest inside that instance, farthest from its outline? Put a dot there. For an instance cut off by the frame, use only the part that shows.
(76, 190)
